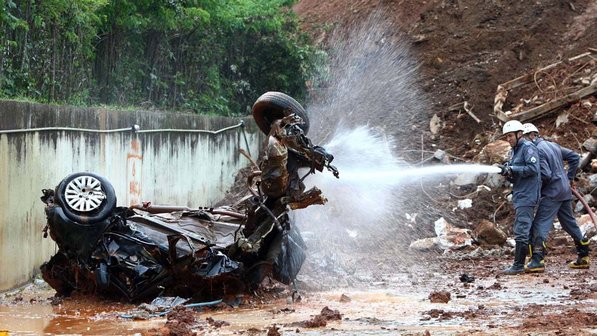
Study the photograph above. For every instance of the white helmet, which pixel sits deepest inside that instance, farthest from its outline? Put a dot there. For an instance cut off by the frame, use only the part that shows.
(512, 126)
(529, 128)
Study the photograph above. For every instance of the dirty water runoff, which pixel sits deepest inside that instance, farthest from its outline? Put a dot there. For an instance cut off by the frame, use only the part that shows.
(393, 305)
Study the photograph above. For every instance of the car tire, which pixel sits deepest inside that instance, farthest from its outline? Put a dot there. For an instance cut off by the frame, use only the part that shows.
(86, 198)
(274, 105)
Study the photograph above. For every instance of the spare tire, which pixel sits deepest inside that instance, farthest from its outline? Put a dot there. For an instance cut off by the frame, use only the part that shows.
(277, 105)
(86, 198)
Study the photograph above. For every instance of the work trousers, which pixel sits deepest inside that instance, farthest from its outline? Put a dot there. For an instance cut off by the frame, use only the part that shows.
(546, 213)
(522, 223)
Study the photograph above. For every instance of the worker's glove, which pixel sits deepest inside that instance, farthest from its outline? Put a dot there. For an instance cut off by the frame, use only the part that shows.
(506, 170)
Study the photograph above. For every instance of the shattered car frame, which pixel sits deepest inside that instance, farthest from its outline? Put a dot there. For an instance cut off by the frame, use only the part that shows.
(144, 251)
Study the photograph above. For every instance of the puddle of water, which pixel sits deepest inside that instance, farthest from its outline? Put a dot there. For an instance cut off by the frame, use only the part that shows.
(40, 319)
(371, 312)
(384, 311)
(28, 320)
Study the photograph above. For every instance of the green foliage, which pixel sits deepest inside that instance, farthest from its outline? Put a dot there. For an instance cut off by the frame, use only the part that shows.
(209, 56)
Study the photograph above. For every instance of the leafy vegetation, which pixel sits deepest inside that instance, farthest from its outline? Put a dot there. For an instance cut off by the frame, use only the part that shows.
(209, 56)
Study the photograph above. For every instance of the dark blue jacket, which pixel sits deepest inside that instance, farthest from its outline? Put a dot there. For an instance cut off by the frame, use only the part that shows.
(525, 174)
(555, 179)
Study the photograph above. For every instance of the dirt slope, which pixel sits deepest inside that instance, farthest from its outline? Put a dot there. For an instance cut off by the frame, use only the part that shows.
(468, 47)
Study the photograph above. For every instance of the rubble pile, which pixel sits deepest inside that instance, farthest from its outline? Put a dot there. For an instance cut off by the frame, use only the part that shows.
(541, 92)
(560, 99)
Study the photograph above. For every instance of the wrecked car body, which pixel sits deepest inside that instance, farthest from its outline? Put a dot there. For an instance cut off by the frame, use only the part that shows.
(144, 251)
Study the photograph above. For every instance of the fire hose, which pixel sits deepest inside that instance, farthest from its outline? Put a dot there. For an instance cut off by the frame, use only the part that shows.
(587, 207)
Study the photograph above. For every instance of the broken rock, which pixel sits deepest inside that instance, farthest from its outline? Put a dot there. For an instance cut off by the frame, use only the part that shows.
(441, 156)
(448, 237)
(345, 298)
(562, 119)
(425, 244)
(440, 297)
(494, 180)
(587, 227)
(487, 233)
(273, 331)
(590, 145)
(593, 181)
(465, 203)
(451, 237)
(320, 320)
(435, 124)
(465, 179)
(579, 208)
(466, 278)
(494, 152)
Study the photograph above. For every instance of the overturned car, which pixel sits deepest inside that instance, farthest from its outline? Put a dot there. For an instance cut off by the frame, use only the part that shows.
(144, 251)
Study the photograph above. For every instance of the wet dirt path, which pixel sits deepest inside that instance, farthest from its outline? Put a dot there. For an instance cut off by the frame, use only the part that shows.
(559, 302)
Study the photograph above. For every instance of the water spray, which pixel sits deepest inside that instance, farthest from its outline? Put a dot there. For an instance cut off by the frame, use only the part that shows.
(398, 176)
(364, 117)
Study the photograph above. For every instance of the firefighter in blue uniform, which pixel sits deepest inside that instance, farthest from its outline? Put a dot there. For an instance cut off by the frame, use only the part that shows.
(523, 171)
(556, 196)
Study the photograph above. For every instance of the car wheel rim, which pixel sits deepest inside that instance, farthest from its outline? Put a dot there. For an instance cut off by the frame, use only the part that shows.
(84, 194)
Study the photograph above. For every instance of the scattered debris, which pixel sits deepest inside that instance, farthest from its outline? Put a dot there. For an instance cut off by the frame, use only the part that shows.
(582, 206)
(273, 331)
(435, 124)
(557, 84)
(425, 244)
(440, 297)
(590, 145)
(466, 179)
(451, 237)
(562, 118)
(448, 237)
(587, 226)
(216, 323)
(163, 305)
(441, 156)
(465, 203)
(181, 321)
(496, 285)
(571, 319)
(487, 233)
(319, 320)
(494, 152)
(467, 107)
(467, 278)
(439, 314)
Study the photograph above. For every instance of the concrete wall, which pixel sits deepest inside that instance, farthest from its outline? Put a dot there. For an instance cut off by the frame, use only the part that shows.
(193, 169)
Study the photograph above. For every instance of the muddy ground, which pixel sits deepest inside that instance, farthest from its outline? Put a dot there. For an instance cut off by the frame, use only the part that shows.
(460, 293)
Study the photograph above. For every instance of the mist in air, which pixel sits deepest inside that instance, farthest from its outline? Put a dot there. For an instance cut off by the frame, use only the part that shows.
(367, 110)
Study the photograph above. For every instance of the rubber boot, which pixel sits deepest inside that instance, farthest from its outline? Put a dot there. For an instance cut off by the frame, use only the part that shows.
(537, 264)
(582, 249)
(520, 254)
